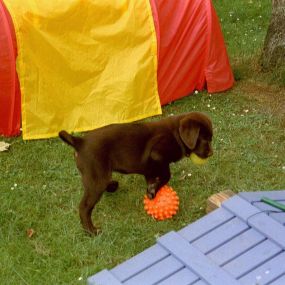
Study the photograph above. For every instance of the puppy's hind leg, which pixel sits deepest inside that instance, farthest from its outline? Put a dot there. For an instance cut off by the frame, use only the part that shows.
(112, 186)
(94, 188)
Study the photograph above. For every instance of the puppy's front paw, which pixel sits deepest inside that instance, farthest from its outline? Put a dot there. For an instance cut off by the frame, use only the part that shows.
(112, 186)
(150, 196)
(152, 188)
(151, 191)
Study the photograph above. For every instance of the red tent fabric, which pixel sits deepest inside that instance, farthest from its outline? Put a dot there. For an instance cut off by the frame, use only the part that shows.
(191, 56)
(192, 52)
(10, 99)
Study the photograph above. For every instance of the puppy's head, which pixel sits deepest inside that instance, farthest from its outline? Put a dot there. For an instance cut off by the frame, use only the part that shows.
(196, 132)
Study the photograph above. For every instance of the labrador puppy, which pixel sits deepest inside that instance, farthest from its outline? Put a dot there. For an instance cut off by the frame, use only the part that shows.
(141, 148)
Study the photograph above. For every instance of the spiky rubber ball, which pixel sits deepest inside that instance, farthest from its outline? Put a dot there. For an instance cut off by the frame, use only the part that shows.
(165, 204)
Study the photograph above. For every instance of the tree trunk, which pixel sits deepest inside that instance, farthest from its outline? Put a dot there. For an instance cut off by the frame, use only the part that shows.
(274, 45)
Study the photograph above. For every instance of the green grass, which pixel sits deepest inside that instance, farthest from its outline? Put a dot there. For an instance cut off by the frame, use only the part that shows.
(40, 187)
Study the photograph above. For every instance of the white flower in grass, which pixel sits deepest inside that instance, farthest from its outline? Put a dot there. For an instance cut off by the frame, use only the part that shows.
(80, 278)
(208, 105)
(196, 92)
(283, 167)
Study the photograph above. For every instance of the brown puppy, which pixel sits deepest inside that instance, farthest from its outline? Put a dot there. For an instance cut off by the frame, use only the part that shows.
(142, 148)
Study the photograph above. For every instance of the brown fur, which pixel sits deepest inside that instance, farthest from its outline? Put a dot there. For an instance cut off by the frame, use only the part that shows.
(142, 148)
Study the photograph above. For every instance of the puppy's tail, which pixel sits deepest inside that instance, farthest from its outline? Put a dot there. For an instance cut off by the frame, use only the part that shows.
(75, 142)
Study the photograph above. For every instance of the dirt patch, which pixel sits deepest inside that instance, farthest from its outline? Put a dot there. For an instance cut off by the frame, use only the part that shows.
(271, 98)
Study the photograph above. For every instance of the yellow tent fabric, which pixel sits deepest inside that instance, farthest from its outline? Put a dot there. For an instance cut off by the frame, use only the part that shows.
(83, 64)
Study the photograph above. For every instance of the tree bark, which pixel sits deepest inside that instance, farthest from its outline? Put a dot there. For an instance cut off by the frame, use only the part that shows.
(274, 45)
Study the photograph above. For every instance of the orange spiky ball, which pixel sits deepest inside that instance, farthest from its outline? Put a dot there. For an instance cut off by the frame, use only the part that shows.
(165, 204)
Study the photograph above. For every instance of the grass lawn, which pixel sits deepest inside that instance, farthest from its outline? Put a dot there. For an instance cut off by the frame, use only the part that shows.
(40, 188)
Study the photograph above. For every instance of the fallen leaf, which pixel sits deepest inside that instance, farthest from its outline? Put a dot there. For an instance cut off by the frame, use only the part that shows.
(30, 233)
(4, 146)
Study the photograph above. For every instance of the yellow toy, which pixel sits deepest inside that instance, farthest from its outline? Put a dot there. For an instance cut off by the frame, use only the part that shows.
(197, 159)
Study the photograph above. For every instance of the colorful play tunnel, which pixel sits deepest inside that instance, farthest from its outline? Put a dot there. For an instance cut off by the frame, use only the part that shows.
(79, 65)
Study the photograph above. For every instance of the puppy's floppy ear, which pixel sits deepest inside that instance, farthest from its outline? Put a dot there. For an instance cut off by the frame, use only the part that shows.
(189, 132)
